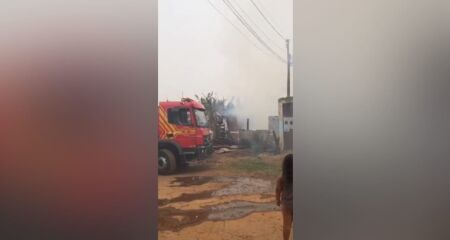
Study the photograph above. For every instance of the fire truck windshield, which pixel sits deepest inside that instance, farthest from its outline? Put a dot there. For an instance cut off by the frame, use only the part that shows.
(200, 118)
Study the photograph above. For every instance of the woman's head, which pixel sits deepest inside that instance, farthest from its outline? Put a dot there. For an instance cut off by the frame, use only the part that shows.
(288, 168)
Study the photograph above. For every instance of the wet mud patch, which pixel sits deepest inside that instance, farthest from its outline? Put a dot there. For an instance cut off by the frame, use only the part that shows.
(172, 219)
(186, 197)
(234, 186)
(245, 185)
(191, 181)
(239, 209)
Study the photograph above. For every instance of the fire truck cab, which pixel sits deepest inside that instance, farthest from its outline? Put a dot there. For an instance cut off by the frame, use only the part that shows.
(184, 134)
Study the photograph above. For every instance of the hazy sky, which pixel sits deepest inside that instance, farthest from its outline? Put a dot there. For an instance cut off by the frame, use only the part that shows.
(199, 52)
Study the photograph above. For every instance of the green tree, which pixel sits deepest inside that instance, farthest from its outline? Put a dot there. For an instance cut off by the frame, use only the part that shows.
(214, 107)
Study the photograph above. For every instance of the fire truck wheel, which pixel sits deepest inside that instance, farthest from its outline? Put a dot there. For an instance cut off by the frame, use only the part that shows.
(166, 162)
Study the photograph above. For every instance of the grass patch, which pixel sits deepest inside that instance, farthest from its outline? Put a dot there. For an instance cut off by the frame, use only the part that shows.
(255, 166)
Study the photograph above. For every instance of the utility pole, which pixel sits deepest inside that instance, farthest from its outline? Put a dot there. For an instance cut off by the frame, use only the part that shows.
(288, 69)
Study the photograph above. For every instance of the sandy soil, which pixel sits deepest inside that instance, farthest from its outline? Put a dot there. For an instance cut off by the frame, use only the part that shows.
(229, 196)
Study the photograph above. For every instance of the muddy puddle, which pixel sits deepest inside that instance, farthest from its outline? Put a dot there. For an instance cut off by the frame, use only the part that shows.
(239, 209)
(245, 185)
(233, 186)
(172, 219)
(186, 197)
(191, 181)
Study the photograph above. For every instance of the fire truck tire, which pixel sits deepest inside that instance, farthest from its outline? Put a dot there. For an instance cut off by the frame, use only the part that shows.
(167, 162)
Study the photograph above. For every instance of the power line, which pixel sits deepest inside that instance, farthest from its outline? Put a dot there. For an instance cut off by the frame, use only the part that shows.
(251, 30)
(267, 20)
(236, 27)
(248, 27)
(257, 27)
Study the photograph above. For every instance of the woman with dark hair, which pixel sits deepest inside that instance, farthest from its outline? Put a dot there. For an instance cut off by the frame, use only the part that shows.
(284, 195)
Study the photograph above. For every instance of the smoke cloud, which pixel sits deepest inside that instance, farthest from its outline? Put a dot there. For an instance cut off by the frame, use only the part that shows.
(200, 52)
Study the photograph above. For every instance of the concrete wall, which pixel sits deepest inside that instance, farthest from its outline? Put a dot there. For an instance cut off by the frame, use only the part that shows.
(274, 125)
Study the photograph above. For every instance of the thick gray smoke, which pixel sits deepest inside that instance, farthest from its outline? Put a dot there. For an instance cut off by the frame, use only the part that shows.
(200, 52)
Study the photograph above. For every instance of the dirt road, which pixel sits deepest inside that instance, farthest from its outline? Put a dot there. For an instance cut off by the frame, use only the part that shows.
(229, 197)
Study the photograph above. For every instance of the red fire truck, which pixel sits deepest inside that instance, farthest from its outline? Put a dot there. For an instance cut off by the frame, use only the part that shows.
(184, 134)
